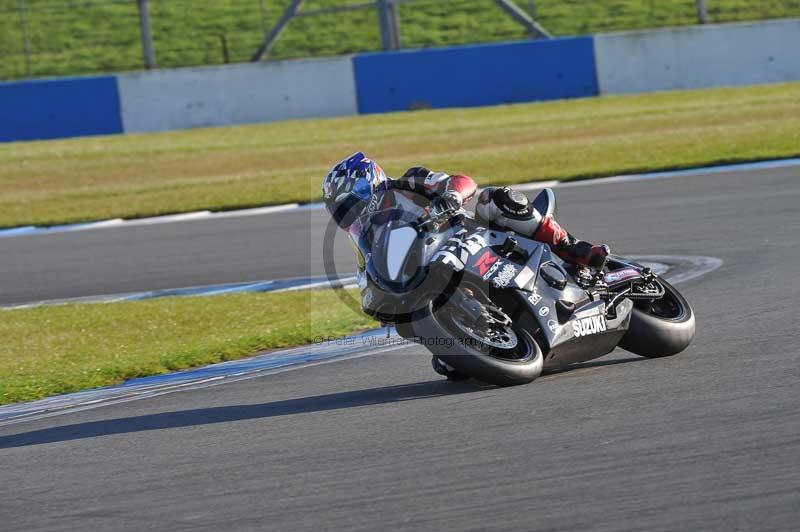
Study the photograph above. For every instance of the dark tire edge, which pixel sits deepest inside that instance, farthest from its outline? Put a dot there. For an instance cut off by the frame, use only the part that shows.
(481, 367)
(653, 337)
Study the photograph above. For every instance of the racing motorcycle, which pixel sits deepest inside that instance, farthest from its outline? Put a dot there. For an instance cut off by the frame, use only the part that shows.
(501, 308)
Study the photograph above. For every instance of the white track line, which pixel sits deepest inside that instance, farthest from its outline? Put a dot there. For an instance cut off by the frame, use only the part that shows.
(258, 211)
(536, 185)
(168, 219)
(263, 286)
(99, 225)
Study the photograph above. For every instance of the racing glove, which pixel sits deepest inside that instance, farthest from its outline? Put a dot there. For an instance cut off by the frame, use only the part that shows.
(449, 201)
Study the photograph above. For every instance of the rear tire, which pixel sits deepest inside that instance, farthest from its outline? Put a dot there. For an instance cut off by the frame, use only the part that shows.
(438, 333)
(662, 328)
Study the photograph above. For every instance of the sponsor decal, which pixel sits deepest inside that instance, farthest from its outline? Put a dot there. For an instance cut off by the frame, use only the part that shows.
(534, 298)
(587, 326)
(492, 270)
(620, 275)
(373, 203)
(474, 243)
(524, 277)
(505, 276)
(445, 257)
(458, 250)
(484, 262)
(544, 311)
(552, 325)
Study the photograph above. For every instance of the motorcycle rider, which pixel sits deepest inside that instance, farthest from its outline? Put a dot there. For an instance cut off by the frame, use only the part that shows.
(353, 187)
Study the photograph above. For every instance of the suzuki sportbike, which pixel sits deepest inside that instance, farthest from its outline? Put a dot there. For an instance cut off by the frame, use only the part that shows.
(501, 308)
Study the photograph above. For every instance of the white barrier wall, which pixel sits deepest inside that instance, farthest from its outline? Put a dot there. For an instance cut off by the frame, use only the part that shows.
(697, 57)
(237, 94)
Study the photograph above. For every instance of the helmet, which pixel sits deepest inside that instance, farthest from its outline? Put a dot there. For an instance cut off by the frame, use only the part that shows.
(349, 187)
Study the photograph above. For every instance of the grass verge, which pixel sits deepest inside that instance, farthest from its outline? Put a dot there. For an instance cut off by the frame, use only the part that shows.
(102, 36)
(224, 168)
(51, 350)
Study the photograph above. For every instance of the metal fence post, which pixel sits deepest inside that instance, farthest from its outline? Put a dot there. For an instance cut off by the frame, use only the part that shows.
(387, 18)
(702, 11)
(26, 45)
(394, 22)
(146, 35)
(274, 33)
(535, 29)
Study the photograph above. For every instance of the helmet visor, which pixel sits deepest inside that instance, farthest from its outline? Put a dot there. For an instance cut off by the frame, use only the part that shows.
(348, 210)
(362, 188)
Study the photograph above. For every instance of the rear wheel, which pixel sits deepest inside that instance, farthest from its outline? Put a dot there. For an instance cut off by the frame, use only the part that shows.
(492, 349)
(661, 327)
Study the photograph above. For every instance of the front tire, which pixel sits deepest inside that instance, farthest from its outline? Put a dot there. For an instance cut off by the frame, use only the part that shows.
(660, 328)
(438, 332)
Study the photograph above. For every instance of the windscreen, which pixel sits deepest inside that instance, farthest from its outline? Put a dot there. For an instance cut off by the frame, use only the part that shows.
(395, 209)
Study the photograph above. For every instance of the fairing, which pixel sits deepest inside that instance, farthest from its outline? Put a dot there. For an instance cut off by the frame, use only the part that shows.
(570, 325)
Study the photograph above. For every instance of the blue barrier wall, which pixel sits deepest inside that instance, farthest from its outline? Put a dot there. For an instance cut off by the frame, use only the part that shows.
(467, 76)
(69, 107)
(462, 76)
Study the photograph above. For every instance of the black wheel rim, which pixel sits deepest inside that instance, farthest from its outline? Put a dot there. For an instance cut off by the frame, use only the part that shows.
(668, 307)
(495, 335)
(510, 343)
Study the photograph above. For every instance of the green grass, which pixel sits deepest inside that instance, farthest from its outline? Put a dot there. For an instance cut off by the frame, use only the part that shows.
(52, 350)
(222, 168)
(87, 37)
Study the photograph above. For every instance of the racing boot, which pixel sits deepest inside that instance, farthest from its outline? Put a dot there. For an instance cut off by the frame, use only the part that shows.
(568, 247)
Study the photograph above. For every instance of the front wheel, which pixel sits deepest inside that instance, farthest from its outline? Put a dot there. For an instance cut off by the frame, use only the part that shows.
(662, 327)
(495, 350)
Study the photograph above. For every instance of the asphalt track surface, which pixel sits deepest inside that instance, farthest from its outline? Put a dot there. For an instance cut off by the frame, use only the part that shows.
(121, 259)
(171, 255)
(706, 440)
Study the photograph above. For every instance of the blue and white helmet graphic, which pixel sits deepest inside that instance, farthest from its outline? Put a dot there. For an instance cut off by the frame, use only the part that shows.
(349, 185)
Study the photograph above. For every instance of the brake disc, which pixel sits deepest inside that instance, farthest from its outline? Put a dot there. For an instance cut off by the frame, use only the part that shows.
(494, 329)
